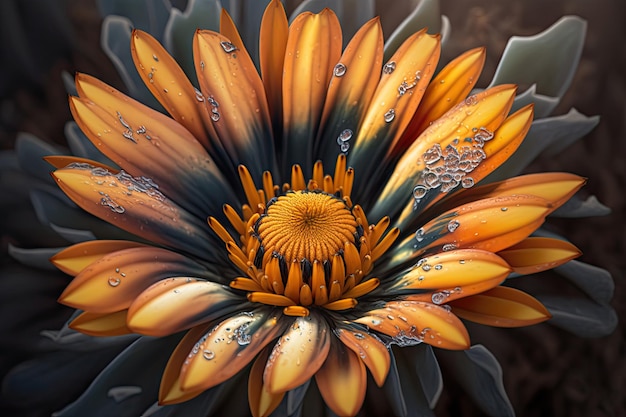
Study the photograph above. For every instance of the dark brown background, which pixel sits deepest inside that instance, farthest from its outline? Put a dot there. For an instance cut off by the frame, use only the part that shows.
(547, 372)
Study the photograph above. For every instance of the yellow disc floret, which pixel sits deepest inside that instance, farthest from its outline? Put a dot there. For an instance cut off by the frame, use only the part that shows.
(308, 246)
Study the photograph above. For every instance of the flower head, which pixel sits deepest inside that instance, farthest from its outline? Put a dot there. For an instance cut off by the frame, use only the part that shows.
(305, 222)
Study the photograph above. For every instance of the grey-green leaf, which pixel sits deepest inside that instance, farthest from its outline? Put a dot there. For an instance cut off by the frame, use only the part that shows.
(576, 207)
(580, 316)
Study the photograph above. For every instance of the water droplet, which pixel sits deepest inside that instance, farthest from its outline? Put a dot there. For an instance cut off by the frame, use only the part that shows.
(438, 298)
(504, 208)
(155, 58)
(471, 101)
(418, 75)
(199, 95)
(376, 322)
(419, 192)
(438, 267)
(432, 155)
(426, 267)
(453, 225)
(141, 130)
(467, 182)
(359, 336)
(419, 234)
(402, 88)
(339, 70)
(389, 67)
(228, 47)
(215, 116)
(462, 261)
(344, 146)
(114, 281)
(390, 115)
(448, 247)
(208, 355)
(344, 136)
(241, 336)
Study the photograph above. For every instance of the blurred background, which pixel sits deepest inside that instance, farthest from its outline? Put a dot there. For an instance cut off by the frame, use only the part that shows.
(547, 372)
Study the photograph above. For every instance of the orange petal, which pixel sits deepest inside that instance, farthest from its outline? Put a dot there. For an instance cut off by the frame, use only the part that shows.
(298, 354)
(135, 205)
(501, 307)
(483, 112)
(77, 257)
(147, 143)
(170, 391)
(453, 269)
(112, 282)
(229, 347)
(536, 254)
(272, 45)
(229, 30)
(555, 187)
(262, 402)
(354, 81)
(342, 380)
(61, 161)
(491, 224)
(313, 48)
(452, 84)
(445, 295)
(414, 322)
(176, 304)
(398, 94)
(96, 324)
(370, 349)
(236, 97)
(168, 83)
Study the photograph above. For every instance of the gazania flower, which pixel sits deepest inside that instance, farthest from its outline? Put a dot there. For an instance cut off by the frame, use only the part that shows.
(310, 228)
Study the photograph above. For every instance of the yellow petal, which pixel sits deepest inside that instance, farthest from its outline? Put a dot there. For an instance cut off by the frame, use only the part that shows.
(399, 92)
(342, 380)
(313, 48)
(454, 269)
(168, 83)
(445, 295)
(272, 45)
(298, 354)
(452, 84)
(370, 349)
(491, 224)
(112, 282)
(135, 206)
(229, 347)
(536, 254)
(170, 391)
(501, 307)
(61, 161)
(415, 322)
(176, 304)
(77, 257)
(236, 97)
(96, 324)
(262, 402)
(481, 114)
(354, 81)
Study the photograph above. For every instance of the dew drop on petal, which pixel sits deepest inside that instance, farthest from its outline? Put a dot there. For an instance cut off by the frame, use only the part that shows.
(215, 116)
(467, 182)
(448, 247)
(390, 115)
(114, 281)
(471, 101)
(208, 355)
(419, 234)
(228, 47)
(344, 136)
(504, 208)
(438, 298)
(419, 192)
(199, 95)
(339, 70)
(389, 67)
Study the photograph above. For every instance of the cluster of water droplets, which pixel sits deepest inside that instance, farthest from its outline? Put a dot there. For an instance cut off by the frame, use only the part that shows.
(448, 168)
(129, 133)
(215, 114)
(343, 140)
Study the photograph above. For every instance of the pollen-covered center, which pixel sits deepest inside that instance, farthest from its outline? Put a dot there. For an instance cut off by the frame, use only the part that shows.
(306, 225)
(305, 245)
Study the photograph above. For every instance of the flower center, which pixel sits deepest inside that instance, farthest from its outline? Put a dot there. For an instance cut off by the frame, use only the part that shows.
(307, 246)
(306, 225)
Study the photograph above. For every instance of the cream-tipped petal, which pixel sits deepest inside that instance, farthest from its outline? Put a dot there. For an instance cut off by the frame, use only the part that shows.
(369, 348)
(298, 354)
(176, 304)
(229, 347)
(75, 258)
(262, 402)
(113, 282)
